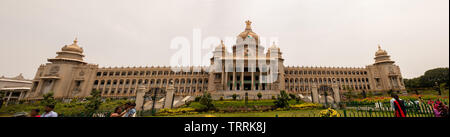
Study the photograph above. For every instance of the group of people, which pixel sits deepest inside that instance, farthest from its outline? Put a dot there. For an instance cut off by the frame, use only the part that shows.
(48, 112)
(438, 107)
(127, 110)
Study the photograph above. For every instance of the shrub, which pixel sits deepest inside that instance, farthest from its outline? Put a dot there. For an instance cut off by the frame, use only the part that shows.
(187, 103)
(292, 96)
(206, 101)
(48, 99)
(234, 96)
(177, 111)
(259, 95)
(306, 106)
(328, 113)
(197, 99)
(221, 98)
(94, 101)
(273, 98)
(282, 100)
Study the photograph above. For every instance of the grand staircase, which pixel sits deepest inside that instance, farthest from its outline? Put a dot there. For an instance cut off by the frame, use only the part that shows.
(177, 102)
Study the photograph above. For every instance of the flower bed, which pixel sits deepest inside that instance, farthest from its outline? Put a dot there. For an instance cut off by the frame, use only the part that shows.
(373, 100)
(176, 111)
(305, 106)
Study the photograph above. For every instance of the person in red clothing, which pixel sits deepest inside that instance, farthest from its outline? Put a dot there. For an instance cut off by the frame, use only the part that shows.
(399, 106)
(35, 113)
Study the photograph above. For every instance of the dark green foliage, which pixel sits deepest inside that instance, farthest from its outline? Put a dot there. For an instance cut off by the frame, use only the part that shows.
(282, 100)
(206, 101)
(94, 101)
(234, 96)
(259, 96)
(48, 99)
(439, 75)
(187, 103)
(292, 96)
(221, 98)
(197, 99)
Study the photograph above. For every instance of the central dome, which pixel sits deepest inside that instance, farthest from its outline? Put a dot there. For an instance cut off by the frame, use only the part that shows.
(73, 47)
(248, 33)
(380, 52)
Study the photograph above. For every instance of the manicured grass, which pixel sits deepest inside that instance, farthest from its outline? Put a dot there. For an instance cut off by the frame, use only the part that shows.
(432, 92)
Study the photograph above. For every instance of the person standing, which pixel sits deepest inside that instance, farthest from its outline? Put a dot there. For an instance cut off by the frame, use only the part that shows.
(131, 110)
(399, 107)
(49, 111)
(118, 112)
(34, 113)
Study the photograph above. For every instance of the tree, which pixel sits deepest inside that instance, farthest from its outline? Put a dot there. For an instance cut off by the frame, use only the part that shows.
(94, 101)
(428, 79)
(439, 75)
(282, 101)
(206, 101)
(246, 98)
(292, 96)
(259, 95)
(48, 99)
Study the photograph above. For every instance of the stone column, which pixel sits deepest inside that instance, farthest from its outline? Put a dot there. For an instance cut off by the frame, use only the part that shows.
(140, 97)
(337, 96)
(315, 93)
(234, 79)
(226, 81)
(169, 96)
(242, 81)
(9, 97)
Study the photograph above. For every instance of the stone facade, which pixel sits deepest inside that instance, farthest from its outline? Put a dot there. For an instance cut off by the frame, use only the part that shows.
(246, 69)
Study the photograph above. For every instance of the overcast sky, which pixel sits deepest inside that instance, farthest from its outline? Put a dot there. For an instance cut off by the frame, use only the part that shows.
(310, 32)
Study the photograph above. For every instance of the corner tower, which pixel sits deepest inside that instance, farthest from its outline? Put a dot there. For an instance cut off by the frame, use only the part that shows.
(66, 75)
(385, 75)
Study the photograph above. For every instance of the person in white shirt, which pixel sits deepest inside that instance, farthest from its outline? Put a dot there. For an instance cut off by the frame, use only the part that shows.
(49, 111)
(392, 100)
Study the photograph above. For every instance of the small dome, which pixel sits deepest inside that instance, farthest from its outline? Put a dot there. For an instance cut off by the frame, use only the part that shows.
(221, 46)
(248, 33)
(273, 46)
(380, 52)
(73, 47)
